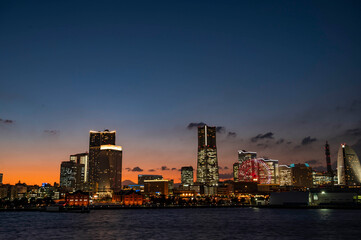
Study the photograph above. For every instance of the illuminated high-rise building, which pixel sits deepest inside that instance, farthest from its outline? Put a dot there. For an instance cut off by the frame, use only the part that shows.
(207, 162)
(82, 176)
(285, 175)
(348, 166)
(105, 162)
(273, 170)
(187, 176)
(235, 171)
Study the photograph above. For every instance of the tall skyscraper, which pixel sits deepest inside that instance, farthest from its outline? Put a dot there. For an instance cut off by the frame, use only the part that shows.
(187, 176)
(285, 175)
(348, 166)
(105, 162)
(1, 178)
(82, 161)
(207, 162)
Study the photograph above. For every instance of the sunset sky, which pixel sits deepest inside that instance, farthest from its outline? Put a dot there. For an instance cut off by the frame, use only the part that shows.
(279, 77)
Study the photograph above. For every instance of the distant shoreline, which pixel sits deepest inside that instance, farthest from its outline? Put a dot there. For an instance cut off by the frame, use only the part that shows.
(115, 207)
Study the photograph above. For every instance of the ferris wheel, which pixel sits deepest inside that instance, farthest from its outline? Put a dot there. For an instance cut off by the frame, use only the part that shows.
(254, 170)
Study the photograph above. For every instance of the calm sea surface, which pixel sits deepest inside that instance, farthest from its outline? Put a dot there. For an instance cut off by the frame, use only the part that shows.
(209, 223)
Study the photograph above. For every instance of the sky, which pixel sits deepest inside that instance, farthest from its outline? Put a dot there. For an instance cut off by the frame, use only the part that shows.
(279, 78)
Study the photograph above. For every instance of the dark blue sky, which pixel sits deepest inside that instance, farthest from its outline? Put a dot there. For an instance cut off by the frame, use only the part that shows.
(149, 68)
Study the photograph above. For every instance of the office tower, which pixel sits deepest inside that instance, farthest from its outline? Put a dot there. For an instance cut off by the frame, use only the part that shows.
(285, 175)
(273, 170)
(207, 162)
(1, 178)
(109, 170)
(235, 171)
(142, 178)
(244, 155)
(301, 175)
(328, 160)
(321, 178)
(82, 158)
(68, 175)
(348, 166)
(105, 162)
(187, 176)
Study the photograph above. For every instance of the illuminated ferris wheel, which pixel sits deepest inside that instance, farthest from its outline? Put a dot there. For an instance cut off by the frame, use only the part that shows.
(254, 170)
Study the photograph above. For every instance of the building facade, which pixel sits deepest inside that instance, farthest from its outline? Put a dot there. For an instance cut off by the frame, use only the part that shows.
(1, 178)
(244, 155)
(207, 161)
(187, 176)
(285, 175)
(302, 175)
(68, 175)
(273, 170)
(348, 166)
(156, 187)
(105, 163)
(143, 177)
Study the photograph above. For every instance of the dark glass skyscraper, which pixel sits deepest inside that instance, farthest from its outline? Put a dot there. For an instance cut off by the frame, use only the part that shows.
(105, 161)
(207, 162)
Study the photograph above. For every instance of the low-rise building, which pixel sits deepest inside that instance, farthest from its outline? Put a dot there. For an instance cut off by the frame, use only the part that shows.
(77, 198)
(128, 198)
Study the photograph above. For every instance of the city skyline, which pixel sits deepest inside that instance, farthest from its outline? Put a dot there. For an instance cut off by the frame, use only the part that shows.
(277, 78)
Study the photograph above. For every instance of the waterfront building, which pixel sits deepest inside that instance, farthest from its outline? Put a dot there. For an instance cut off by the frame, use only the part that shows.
(187, 176)
(77, 198)
(143, 177)
(207, 161)
(273, 170)
(285, 175)
(321, 178)
(301, 175)
(109, 170)
(105, 163)
(1, 178)
(82, 158)
(128, 198)
(97, 139)
(156, 187)
(348, 166)
(68, 175)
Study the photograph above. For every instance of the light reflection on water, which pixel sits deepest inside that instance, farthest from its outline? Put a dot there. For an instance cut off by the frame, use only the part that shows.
(210, 223)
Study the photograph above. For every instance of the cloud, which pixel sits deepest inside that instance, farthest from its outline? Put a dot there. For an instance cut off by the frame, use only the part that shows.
(262, 145)
(289, 143)
(219, 129)
(151, 170)
(195, 125)
(355, 132)
(232, 134)
(220, 168)
(164, 168)
(6, 121)
(268, 135)
(280, 141)
(225, 175)
(313, 161)
(225, 168)
(128, 169)
(308, 140)
(51, 132)
(137, 169)
(174, 169)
